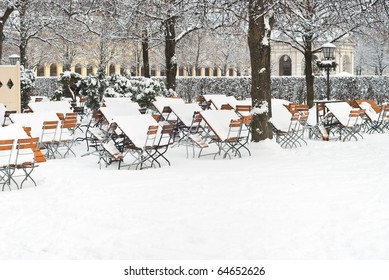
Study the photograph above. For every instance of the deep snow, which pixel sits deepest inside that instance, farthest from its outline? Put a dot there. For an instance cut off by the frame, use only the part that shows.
(327, 200)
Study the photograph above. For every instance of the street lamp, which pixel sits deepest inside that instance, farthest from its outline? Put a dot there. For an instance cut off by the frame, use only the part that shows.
(327, 64)
(13, 59)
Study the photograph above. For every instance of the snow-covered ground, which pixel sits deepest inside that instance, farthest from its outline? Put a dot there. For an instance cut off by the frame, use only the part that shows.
(328, 200)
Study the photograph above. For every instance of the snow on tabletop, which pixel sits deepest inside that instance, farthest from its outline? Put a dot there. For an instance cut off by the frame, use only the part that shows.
(34, 121)
(370, 112)
(185, 112)
(12, 131)
(220, 120)
(111, 112)
(53, 106)
(280, 114)
(341, 111)
(162, 102)
(119, 102)
(136, 127)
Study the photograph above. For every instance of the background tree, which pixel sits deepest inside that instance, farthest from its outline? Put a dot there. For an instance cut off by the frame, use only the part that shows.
(315, 22)
(7, 7)
(261, 20)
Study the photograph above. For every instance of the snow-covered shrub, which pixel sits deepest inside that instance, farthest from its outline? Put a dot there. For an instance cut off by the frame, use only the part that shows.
(141, 90)
(27, 86)
(68, 85)
(89, 87)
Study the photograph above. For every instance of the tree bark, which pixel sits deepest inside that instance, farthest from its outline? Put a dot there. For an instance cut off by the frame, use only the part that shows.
(3, 19)
(145, 54)
(309, 78)
(260, 24)
(170, 53)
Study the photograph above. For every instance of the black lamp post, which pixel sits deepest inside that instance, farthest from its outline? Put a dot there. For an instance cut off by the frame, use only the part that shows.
(328, 63)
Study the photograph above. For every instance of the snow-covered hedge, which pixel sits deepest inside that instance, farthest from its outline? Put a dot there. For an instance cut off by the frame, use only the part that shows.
(290, 88)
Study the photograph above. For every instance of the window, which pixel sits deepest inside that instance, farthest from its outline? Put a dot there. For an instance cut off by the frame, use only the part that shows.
(111, 70)
(285, 66)
(77, 68)
(40, 70)
(89, 70)
(346, 64)
(53, 70)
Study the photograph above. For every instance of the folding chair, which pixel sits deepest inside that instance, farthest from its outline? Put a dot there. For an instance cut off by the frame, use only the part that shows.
(109, 153)
(294, 135)
(245, 133)
(65, 137)
(6, 165)
(196, 135)
(165, 140)
(373, 116)
(353, 127)
(26, 157)
(143, 154)
(229, 144)
(49, 131)
(93, 132)
(7, 116)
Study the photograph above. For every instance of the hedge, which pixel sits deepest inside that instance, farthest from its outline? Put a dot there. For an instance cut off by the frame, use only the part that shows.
(289, 88)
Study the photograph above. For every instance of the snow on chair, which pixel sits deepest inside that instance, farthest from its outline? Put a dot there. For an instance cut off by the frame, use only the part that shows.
(293, 136)
(6, 166)
(65, 137)
(347, 121)
(26, 157)
(49, 130)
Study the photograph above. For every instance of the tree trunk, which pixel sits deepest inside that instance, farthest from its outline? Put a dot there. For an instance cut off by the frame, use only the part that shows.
(67, 64)
(3, 20)
(170, 53)
(145, 53)
(23, 53)
(309, 78)
(1, 39)
(260, 24)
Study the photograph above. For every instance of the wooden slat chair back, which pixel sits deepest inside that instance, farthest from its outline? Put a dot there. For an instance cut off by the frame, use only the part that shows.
(353, 127)
(27, 157)
(226, 107)
(49, 131)
(229, 145)
(6, 166)
(65, 137)
(294, 137)
(243, 110)
(245, 133)
(145, 152)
